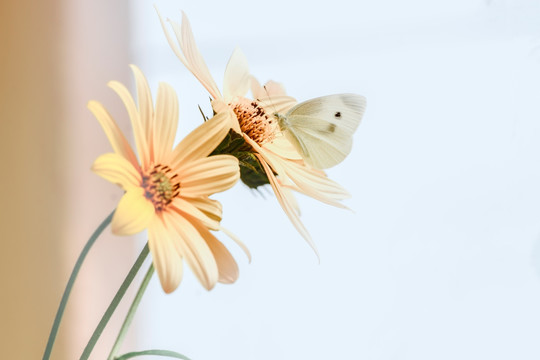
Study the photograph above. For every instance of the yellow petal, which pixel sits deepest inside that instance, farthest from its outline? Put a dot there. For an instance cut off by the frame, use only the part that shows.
(136, 123)
(165, 123)
(133, 214)
(314, 183)
(286, 205)
(166, 259)
(116, 169)
(183, 206)
(113, 132)
(188, 53)
(209, 175)
(236, 81)
(283, 147)
(221, 107)
(227, 266)
(277, 103)
(212, 208)
(144, 96)
(201, 141)
(236, 239)
(193, 249)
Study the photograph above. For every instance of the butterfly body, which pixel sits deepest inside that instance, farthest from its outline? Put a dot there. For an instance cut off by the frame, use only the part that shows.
(321, 129)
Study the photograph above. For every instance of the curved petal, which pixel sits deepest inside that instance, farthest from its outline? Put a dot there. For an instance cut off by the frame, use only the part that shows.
(133, 214)
(193, 249)
(167, 261)
(227, 267)
(316, 182)
(209, 175)
(165, 122)
(184, 207)
(256, 89)
(113, 132)
(138, 130)
(116, 169)
(236, 81)
(237, 241)
(188, 53)
(146, 109)
(212, 208)
(286, 205)
(201, 141)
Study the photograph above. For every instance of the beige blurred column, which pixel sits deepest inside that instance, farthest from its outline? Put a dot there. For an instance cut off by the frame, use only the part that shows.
(55, 55)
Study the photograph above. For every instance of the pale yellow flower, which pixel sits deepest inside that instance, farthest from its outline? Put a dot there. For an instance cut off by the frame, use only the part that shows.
(166, 188)
(253, 118)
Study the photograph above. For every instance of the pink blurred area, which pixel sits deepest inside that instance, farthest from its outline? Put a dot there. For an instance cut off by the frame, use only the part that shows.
(55, 57)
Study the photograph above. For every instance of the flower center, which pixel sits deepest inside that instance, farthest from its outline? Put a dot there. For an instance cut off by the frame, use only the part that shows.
(160, 187)
(254, 121)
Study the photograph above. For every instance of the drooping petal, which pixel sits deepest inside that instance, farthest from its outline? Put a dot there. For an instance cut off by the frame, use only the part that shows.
(167, 261)
(212, 208)
(237, 79)
(193, 249)
(133, 214)
(209, 175)
(288, 194)
(165, 122)
(113, 132)
(227, 267)
(118, 170)
(138, 130)
(201, 141)
(309, 181)
(184, 207)
(144, 99)
(317, 185)
(286, 205)
(188, 53)
(238, 242)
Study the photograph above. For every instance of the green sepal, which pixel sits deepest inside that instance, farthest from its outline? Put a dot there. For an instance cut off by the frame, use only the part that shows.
(251, 171)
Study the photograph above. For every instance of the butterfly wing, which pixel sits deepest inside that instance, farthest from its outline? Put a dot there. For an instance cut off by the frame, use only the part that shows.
(321, 129)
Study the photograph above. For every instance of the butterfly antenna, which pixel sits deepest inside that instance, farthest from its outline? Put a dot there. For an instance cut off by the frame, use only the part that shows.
(270, 99)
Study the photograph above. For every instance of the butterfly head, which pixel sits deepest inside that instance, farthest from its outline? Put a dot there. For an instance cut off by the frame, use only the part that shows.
(282, 121)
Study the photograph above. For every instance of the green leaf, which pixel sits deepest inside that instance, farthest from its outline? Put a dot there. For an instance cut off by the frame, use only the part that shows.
(167, 353)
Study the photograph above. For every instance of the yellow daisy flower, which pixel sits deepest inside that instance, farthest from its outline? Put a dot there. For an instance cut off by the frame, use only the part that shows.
(253, 118)
(166, 188)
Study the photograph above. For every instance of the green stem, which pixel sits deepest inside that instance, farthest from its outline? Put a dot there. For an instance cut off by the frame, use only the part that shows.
(69, 286)
(131, 313)
(114, 303)
(166, 353)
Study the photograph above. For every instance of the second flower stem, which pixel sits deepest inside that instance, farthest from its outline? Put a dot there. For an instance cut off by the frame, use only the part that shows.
(114, 303)
(131, 313)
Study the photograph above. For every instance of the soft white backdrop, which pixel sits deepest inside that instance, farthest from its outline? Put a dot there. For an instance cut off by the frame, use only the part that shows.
(441, 257)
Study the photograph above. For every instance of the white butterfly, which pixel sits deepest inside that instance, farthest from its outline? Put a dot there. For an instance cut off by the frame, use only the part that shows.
(321, 129)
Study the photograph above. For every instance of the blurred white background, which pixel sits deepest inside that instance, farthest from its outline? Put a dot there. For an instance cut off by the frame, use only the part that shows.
(441, 257)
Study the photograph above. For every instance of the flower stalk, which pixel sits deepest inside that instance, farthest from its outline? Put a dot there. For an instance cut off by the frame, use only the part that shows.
(131, 313)
(71, 281)
(114, 303)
